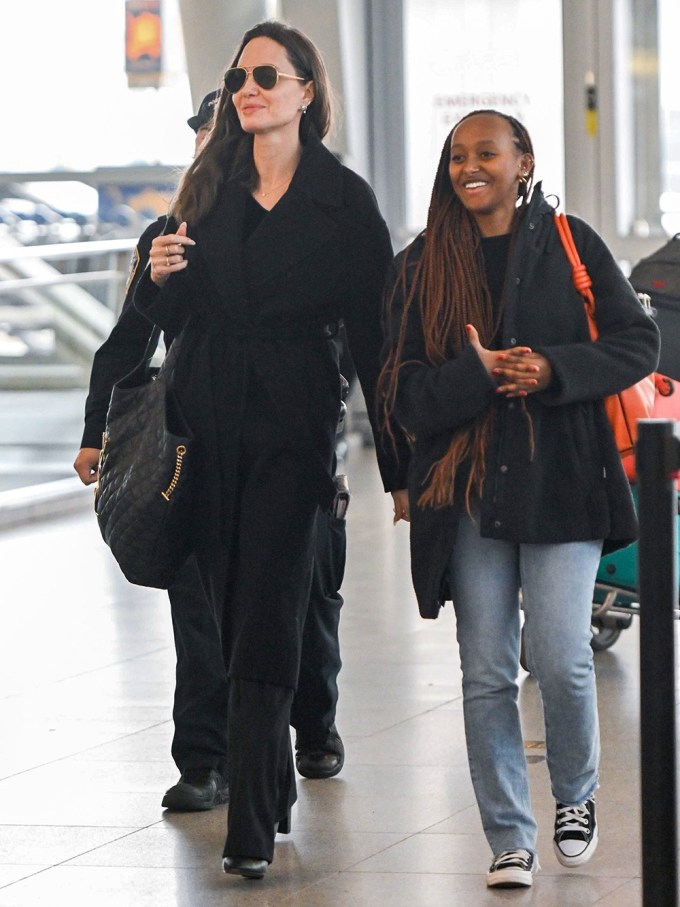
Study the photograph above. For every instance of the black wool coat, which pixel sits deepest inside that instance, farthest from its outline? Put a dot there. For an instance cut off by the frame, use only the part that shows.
(255, 310)
(572, 488)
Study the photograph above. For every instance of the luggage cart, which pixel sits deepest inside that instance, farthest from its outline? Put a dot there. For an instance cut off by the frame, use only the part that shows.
(615, 599)
(614, 606)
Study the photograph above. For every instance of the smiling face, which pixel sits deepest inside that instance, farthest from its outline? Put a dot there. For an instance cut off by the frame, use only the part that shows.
(261, 111)
(485, 169)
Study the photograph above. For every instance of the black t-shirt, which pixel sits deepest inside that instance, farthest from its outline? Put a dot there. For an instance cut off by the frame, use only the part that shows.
(495, 250)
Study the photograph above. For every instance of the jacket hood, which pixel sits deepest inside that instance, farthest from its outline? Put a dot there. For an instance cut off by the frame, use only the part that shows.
(538, 204)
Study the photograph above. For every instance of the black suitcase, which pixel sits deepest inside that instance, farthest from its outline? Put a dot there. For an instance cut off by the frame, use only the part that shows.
(658, 275)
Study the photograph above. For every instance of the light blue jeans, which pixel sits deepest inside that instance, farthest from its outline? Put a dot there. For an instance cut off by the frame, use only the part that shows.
(557, 592)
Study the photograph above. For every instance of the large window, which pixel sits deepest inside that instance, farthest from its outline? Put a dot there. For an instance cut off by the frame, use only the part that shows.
(461, 55)
(647, 117)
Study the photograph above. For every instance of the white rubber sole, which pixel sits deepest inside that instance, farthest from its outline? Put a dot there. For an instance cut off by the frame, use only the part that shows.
(580, 858)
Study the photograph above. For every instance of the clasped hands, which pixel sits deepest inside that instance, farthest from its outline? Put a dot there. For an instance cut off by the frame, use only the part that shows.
(518, 371)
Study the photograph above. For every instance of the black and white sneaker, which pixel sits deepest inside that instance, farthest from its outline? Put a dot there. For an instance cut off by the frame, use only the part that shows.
(512, 869)
(575, 838)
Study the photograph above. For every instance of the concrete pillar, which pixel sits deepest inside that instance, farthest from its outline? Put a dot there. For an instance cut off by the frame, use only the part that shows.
(385, 31)
(320, 22)
(212, 30)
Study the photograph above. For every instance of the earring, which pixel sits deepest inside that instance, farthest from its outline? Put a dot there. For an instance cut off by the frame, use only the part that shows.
(522, 185)
(303, 108)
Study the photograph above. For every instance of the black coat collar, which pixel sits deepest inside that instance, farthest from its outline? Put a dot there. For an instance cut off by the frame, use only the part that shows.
(293, 230)
(538, 204)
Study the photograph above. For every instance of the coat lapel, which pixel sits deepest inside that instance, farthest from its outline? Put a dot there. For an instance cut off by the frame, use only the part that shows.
(304, 220)
(526, 257)
(292, 231)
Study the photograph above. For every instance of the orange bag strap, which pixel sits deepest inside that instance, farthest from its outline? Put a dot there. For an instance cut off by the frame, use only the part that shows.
(579, 272)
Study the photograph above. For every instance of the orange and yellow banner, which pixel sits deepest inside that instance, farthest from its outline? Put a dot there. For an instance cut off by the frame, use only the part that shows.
(143, 42)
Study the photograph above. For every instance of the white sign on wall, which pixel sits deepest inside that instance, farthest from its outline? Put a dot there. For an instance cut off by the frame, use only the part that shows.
(463, 55)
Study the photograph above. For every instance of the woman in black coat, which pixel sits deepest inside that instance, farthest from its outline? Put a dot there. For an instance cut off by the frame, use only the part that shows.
(273, 242)
(515, 480)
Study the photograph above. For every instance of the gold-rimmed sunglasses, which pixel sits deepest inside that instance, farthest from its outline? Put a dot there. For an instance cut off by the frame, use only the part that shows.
(266, 76)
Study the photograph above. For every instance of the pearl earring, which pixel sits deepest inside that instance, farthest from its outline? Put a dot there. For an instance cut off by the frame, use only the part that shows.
(303, 108)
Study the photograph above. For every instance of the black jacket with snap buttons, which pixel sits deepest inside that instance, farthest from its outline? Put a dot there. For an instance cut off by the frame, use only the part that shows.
(572, 486)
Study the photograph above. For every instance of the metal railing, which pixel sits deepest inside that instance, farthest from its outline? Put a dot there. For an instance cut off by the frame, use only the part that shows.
(79, 306)
(111, 248)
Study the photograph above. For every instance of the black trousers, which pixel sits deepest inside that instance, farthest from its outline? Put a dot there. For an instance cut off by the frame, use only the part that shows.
(201, 690)
(316, 697)
(261, 776)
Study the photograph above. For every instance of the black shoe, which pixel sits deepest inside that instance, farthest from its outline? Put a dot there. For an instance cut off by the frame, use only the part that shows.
(197, 789)
(284, 826)
(320, 760)
(575, 838)
(512, 869)
(245, 866)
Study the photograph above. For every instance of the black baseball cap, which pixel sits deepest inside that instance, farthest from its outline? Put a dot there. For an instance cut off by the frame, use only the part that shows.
(205, 111)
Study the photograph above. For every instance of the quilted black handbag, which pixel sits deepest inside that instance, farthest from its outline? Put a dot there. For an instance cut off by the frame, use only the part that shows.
(144, 498)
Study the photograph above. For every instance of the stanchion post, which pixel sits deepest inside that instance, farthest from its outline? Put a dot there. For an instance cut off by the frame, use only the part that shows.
(657, 459)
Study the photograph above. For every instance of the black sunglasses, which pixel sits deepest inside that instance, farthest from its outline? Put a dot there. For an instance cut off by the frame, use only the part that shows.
(265, 76)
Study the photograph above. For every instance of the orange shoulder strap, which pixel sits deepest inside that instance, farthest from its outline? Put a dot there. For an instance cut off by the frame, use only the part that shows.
(579, 272)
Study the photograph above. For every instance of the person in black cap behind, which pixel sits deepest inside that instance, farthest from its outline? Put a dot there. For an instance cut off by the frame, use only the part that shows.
(199, 744)
(201, 122)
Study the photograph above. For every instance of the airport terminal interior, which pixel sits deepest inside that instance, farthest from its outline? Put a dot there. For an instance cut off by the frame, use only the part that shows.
(87, 660)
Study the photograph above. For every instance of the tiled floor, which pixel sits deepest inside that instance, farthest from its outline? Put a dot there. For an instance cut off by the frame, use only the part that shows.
(86, 680)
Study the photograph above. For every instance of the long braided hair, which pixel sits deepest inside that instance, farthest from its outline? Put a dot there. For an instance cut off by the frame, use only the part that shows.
(449, 284)
(228, 150)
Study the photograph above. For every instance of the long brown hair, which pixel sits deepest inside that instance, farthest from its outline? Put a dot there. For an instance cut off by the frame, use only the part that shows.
(228, 151)
(449, 282)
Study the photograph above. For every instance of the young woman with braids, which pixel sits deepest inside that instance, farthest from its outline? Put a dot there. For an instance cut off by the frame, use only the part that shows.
(515, 480)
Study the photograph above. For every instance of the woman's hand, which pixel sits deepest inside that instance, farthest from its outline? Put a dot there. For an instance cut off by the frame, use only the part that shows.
(524, 374)
(87, 465)
(518, 370)
(167, 254)
(401, 508)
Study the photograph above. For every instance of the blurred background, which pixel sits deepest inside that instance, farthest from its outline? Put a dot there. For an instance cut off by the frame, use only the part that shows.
(93, 112)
